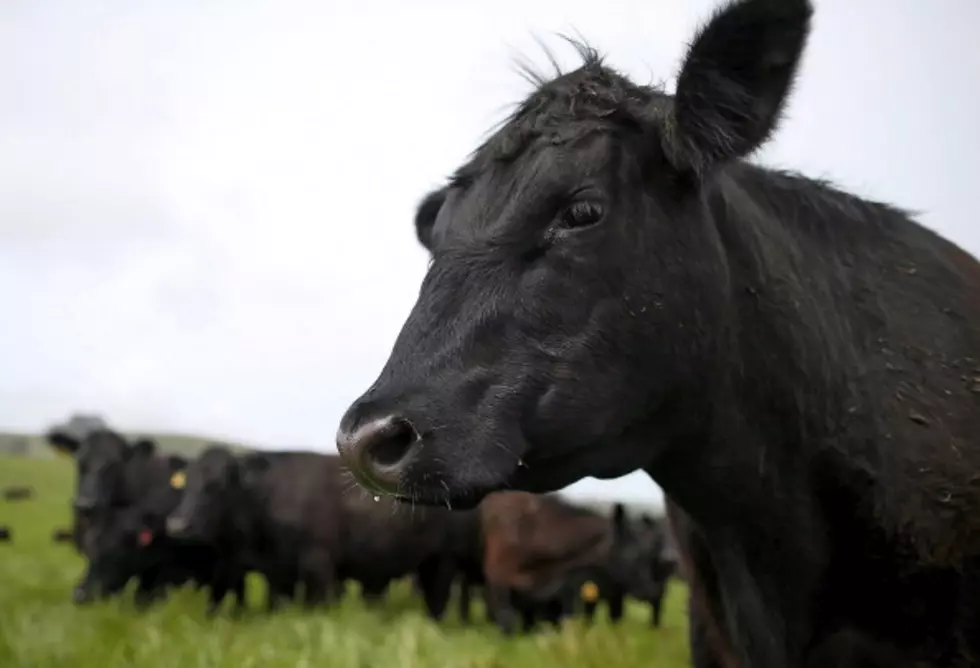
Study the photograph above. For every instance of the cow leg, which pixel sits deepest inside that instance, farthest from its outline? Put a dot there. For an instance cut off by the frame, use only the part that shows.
(314, 593)
(528, 615)
(283, 579)
(436, 577)
(82, 593)
(221, 582)
(464, 600)
(339, 589)
(317, 573)
(278, 586)
(149, 587)
(554, 610)
(500, 608)
(487, 607)
(373, 592)
(219, 589)
(616, 604)
(272, 593)
(238, 590)
(656, 607)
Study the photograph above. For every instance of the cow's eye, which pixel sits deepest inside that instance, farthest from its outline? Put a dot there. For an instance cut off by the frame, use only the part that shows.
(582, 213)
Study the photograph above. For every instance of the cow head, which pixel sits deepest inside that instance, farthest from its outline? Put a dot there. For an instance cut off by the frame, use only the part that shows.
(214, 486)
(576, 307)
(101, 458)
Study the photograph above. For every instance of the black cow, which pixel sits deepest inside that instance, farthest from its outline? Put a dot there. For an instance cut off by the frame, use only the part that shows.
(275, 513)
(126, 542)
(636, 566)
(6, 535)
(103, 479)
(384, 543)
(614, 287)
(123, 494)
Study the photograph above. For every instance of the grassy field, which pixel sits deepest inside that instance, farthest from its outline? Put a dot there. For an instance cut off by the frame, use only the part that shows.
(40, 628)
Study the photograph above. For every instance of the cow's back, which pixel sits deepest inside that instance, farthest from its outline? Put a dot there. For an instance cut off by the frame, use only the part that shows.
(385, 538)
(301, 496)
(533, 542)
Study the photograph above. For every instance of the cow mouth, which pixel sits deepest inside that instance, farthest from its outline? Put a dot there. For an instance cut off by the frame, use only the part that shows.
(536, 473)
(460, 500)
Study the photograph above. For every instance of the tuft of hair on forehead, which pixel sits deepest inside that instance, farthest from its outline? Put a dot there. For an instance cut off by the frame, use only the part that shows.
(563, 106)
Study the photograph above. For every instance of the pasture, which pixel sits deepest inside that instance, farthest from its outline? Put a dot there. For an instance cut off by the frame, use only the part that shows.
(41, 628)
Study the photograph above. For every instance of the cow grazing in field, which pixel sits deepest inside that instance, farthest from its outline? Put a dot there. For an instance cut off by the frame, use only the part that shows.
(614, 286)
(17, 493)
(532, 544)
(275, 513)
(6, 535)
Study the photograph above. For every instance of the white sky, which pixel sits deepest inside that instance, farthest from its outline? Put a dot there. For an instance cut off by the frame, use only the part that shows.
(206, 207)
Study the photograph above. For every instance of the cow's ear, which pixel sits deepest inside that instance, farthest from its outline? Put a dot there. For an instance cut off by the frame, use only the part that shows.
(736, 77)
(176, 463)
(425, 216)
(144, 447)
(253, 467)
(62, 442)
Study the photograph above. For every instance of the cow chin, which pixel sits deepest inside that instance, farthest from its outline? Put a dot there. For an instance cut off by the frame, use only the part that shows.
(462, 481)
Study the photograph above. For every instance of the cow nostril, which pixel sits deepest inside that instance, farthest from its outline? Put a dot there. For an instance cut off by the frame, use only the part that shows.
(391, 442)
(379, 449)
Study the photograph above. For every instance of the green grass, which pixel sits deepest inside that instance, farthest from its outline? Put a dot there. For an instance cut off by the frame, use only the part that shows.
(40, 628)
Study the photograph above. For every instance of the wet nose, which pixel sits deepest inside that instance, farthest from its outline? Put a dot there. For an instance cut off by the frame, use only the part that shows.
(176, 525)
(377, 450)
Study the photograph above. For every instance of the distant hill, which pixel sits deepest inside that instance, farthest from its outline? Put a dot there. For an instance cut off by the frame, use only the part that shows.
(34, 445)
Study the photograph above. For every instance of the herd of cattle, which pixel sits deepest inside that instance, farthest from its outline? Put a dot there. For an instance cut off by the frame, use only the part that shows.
(297, 519)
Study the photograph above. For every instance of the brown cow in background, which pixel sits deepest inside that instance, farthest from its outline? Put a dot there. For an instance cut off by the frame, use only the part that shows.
(532, 543)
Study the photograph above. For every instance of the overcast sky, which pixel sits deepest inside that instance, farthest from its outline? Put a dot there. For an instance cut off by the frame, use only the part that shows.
(206, 207)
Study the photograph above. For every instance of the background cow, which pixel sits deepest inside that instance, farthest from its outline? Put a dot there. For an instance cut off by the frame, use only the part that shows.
(386, 542)
(274, 513)
(531, 545)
